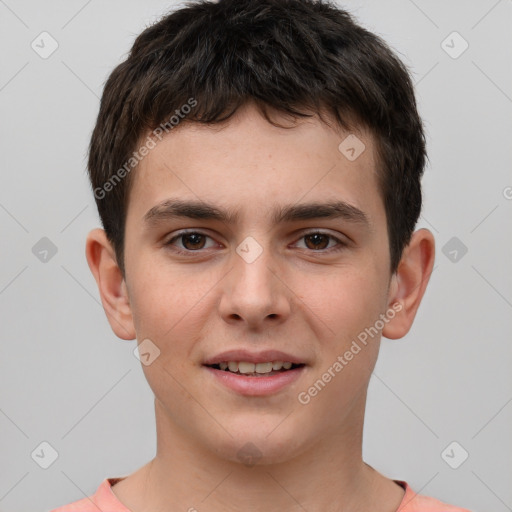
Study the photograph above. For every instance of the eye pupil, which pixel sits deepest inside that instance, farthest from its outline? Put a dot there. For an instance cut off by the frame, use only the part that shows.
(197, 238)
(317, 239)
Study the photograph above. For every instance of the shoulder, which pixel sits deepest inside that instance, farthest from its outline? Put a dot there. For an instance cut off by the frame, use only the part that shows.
(102, 499)
(415, 502)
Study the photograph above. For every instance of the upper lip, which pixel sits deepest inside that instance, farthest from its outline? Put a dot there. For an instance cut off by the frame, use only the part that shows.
(253, 357)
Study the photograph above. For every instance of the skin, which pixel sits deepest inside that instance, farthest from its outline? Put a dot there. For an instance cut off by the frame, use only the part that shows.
(308, 301)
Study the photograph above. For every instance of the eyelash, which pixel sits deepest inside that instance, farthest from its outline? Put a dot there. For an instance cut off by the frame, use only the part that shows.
(341, 244)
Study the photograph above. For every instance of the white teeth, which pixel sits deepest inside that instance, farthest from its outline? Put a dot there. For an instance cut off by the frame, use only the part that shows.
(261, 368)
(245, 367)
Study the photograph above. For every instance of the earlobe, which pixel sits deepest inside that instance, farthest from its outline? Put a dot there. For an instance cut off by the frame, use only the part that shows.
(111, 284)
(409, 283)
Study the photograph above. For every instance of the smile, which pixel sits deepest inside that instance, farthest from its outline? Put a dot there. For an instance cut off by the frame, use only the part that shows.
(255, 369)
(252, 379)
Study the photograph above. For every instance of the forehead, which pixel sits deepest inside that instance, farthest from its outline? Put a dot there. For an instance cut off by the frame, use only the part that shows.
(247, 164)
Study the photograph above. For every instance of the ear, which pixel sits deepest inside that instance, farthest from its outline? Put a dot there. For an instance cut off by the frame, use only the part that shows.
(111, 284)
(409, 282)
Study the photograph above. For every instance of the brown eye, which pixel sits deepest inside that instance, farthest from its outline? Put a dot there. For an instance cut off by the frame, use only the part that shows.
(193, 241)
(317, 241)
(188, 242)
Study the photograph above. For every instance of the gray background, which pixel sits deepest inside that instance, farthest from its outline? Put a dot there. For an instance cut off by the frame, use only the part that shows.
(65, 378)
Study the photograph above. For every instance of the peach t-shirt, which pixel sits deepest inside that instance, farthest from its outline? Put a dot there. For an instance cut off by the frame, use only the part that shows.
(105, 500)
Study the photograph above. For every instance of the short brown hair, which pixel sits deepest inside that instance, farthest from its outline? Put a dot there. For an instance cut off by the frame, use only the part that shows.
(291, 56)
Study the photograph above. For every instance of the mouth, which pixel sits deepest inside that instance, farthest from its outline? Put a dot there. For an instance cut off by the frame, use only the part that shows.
(262, 373)
(267, 374)
(248, 369)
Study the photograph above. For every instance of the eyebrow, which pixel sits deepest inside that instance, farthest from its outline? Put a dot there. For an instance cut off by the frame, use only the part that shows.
(178, 208)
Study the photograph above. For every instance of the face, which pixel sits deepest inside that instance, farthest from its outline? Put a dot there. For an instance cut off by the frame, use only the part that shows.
(261, 275)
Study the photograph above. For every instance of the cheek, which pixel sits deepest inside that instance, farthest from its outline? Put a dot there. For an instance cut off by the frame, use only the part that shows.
(160, 297)
(347, 301)
(165, 310)
(350, 305)
(169, 307)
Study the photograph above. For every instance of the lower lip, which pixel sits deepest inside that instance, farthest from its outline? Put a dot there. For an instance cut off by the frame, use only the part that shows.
(256, 386)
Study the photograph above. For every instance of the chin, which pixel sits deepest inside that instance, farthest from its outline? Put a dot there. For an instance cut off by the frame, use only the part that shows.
(256, 443)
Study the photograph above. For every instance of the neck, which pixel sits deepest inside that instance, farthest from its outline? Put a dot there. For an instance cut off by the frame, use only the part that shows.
(328, 475)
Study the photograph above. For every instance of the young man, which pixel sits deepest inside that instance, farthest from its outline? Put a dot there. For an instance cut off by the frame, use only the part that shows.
(256, 167)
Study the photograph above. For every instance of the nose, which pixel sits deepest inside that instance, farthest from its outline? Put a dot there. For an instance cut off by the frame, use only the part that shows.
(254, 292)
